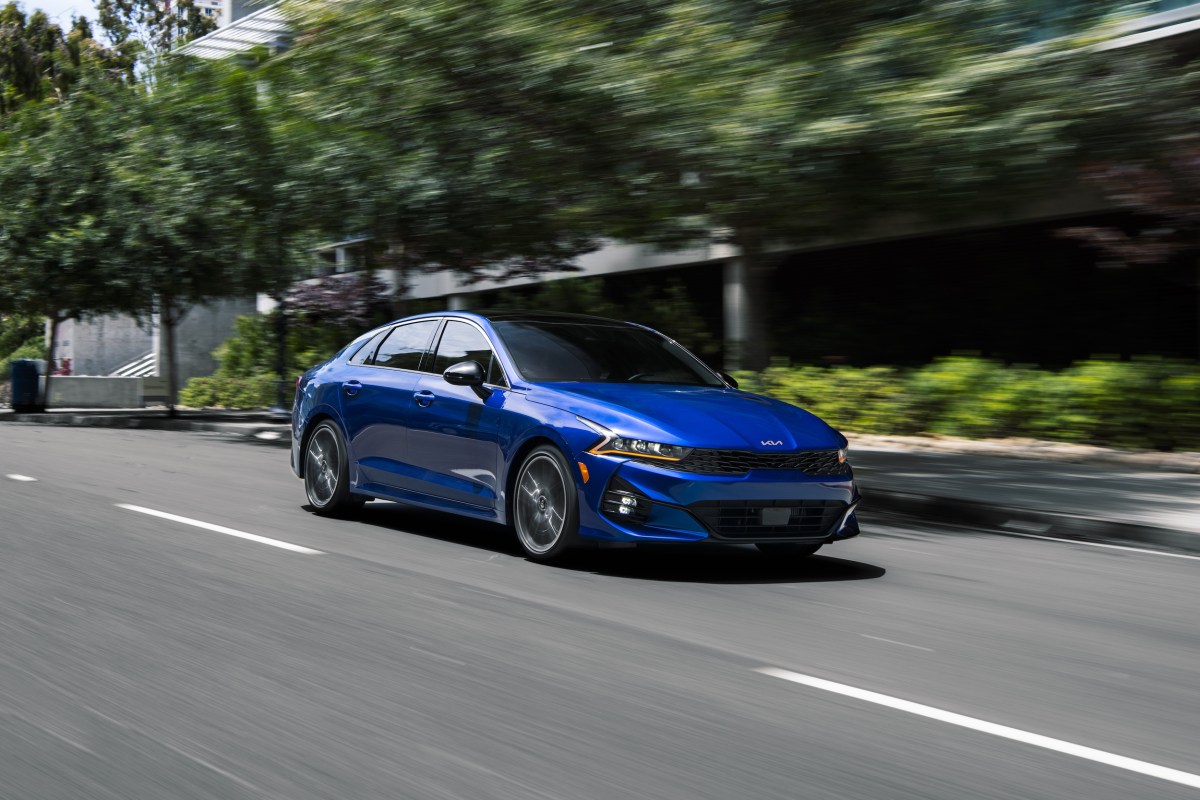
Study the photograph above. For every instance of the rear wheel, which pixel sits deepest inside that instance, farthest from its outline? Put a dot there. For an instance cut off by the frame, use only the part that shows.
(545, 510)
(787, 549)
(327, 473)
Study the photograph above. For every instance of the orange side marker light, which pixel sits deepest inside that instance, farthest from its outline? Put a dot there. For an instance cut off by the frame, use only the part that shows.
(583, 471)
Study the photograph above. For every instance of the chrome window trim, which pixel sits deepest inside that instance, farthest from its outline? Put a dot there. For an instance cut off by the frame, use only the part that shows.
(436, 334)
(495, 351)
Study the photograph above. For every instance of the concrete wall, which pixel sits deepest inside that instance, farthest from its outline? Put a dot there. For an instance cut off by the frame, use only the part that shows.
(95, 392)
(101, 345)
(198, 334)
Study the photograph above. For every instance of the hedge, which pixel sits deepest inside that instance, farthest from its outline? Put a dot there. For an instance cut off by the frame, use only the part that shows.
(1144, 403)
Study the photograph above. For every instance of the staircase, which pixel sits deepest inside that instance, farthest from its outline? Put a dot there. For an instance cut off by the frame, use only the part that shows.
(141, 367)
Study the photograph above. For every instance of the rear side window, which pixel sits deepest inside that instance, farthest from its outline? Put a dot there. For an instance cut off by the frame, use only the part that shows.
(367, 351)
(463, 342)
(406, 344)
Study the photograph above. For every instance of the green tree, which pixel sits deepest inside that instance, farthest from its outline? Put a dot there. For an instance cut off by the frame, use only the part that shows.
(56, 225)
(139, 30)
(39, 60)
(190, 185)
(460, 135)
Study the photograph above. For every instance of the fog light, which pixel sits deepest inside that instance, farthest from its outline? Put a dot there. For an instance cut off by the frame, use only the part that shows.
(622, 500)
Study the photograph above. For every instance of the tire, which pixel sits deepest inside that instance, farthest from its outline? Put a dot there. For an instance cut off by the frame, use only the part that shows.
(545, 505)
(327, 473)
(787, 549)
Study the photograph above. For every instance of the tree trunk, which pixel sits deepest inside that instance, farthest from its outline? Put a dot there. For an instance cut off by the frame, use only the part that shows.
(55, 320)
(281, 351)
(168, 319)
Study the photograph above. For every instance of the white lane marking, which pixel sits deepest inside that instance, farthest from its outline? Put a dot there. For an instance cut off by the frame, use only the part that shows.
(208, 526)
(21, 478)
(1098, 544)
(1017, 735)
(893, 641)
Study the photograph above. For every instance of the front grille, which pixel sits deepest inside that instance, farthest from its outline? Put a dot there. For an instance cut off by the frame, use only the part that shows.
(817, 463)
(743, 519)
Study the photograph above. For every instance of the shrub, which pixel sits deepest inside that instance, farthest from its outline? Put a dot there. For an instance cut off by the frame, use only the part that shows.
(1148, 403)
(229, 392)
(31, 348)
(245, 376)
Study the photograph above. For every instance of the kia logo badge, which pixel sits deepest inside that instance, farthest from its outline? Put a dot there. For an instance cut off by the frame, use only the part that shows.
(771, 444)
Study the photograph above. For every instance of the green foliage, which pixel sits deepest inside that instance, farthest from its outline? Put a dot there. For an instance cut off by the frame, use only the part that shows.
(141, 29)
(15, 330)
(41, 61)
(258, 391)
(1150, 403)
(57, 224)
(245, 376)
(34, 347)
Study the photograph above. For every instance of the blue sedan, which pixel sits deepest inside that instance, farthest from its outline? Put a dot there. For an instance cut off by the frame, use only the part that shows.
(571, 429)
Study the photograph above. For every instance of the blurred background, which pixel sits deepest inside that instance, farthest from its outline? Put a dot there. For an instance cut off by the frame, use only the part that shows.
(966, 218)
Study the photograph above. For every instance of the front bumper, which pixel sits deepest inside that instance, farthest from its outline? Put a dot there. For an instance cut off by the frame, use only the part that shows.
(675, 506)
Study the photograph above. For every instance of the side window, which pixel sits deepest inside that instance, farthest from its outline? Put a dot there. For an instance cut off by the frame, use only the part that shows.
(462, 342)
(495, 375)
(364, 354)
(406, 344)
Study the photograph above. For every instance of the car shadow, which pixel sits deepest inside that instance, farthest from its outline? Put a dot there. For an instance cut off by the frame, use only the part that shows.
(718, 563)
(678, 563)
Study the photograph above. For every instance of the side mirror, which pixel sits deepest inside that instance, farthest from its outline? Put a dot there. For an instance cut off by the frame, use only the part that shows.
(725, 376)
(467, 373)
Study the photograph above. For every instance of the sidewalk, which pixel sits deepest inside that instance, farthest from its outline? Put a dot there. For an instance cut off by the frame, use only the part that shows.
(252, 425)
(1038, 488)
(1029, 487)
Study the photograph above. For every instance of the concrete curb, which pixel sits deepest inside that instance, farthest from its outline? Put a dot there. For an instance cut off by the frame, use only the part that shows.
(1030, 521)
(278, 434)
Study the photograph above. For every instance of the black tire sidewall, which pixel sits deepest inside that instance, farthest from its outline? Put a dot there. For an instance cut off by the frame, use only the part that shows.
(570, 532)
(341, 501)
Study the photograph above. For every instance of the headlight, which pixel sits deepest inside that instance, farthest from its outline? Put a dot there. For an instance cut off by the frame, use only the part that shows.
(640, 447)
(620, 445)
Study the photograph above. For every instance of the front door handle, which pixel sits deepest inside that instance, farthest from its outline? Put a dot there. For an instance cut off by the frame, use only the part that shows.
(351, 388)
(424, 398)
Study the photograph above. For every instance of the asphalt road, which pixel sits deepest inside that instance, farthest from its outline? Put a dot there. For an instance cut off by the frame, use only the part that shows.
(418, 656)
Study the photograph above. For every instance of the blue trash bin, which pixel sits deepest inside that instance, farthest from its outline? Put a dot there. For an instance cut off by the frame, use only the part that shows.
(26, 386)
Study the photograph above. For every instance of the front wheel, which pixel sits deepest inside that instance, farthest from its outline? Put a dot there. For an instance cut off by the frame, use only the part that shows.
(327, 473)
(546, 514)
(787, 549)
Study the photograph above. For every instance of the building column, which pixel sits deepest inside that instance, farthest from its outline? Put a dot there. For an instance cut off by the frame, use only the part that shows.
(456, 302)
(736, 312)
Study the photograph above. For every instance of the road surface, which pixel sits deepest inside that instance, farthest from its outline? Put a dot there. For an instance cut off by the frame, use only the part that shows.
(411, 655)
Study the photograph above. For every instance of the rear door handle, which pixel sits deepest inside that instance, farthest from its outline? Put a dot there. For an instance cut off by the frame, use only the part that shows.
(351, 388)
(424, 398)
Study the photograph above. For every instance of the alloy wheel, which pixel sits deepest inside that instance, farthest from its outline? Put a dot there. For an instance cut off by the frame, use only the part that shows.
(542, 505)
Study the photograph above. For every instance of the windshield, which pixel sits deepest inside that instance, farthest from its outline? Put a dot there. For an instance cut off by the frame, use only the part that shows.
(551, 352)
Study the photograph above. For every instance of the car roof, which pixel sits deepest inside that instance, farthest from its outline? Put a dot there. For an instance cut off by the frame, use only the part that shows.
(549, 317)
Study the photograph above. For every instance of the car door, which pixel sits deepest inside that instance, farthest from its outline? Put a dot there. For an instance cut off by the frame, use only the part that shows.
(377, 399)
(455, 435)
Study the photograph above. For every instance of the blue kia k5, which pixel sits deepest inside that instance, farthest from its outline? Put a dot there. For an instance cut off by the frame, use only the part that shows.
(571, 429)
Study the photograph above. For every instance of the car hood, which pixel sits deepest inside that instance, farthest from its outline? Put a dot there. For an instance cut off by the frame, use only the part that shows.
(695, 416)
